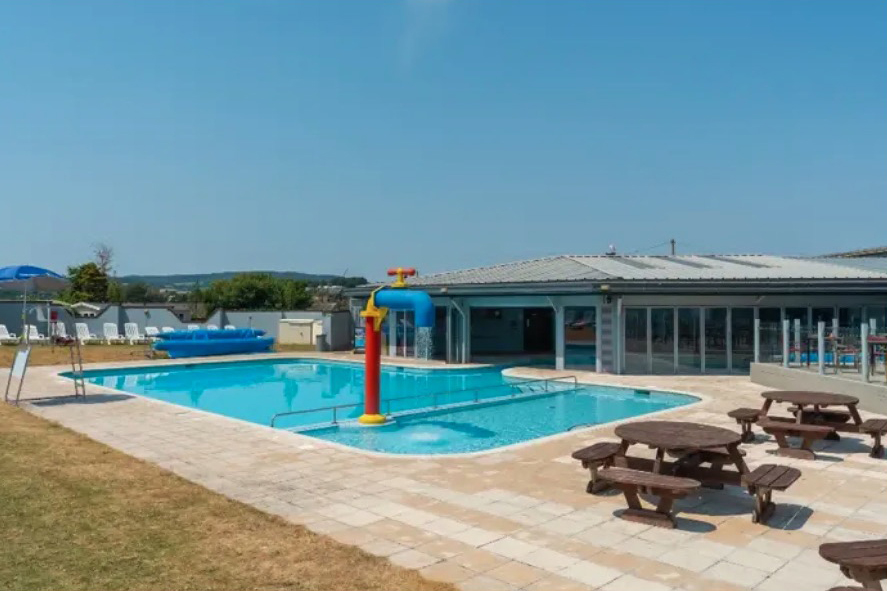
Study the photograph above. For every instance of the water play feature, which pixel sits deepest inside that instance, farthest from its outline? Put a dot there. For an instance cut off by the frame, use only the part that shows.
(398, 298)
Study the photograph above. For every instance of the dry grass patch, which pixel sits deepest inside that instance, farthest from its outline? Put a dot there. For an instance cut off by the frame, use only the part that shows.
(76, 514)
(49, 355)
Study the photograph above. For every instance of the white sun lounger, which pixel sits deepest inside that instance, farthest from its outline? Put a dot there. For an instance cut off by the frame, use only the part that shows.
(83, 334)
(212, 327)
(34, 335)
(230, 327)
(151, 333)
(167, 329)
(59, 330)
(6, 336)
(112, 337)
(131, 330)
(193, 327)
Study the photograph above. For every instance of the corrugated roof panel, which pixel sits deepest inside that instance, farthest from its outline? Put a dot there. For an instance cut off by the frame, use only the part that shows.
(735, 261)
(686, 261)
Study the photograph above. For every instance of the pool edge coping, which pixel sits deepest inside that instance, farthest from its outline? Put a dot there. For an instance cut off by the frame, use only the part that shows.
(307, 439)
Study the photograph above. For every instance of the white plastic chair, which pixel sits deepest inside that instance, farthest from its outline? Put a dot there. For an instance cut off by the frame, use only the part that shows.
(112, 337)
(230, 327)
(212, 327)
(151, 333)
(60, 330)
(83, 334)
(6, 336)
(131, 330)
(34, 335)
(167, 329)
(193, 327)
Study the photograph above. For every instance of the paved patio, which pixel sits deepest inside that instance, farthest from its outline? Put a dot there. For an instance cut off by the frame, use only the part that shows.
(513, 519)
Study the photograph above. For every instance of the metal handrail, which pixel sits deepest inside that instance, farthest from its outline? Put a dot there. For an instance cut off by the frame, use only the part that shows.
(433, 395)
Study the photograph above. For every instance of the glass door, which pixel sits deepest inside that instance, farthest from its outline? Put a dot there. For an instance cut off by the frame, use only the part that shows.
(742, 329)
(771, 334)
(662, 333)
(689, 341)
(636, 354)
(715, 340)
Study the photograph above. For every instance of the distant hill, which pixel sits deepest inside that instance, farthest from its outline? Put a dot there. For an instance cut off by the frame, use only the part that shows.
(204, 279)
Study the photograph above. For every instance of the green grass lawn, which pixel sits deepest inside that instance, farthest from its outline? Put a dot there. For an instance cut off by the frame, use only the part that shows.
(75, 514)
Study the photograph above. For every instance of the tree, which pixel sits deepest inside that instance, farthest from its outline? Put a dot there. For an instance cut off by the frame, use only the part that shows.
(103, 255)
(141, 292)
(88, 283)
(255, 291)
(116, 292)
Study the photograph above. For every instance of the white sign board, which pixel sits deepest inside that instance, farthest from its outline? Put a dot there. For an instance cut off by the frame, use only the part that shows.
(19, 366)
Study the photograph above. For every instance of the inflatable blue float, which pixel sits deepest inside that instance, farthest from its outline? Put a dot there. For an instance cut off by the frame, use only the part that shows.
(201, 343)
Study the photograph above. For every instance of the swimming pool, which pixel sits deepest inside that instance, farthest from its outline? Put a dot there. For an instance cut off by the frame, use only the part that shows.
(303, 390)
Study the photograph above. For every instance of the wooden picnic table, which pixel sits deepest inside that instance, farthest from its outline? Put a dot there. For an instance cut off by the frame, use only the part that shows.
(811, 407)
(863, 561)
(692, 443)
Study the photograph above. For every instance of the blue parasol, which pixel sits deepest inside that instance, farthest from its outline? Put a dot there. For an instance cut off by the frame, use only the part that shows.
(25, 278)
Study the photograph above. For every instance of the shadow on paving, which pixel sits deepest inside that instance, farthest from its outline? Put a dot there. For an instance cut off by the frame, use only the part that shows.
(89, 399)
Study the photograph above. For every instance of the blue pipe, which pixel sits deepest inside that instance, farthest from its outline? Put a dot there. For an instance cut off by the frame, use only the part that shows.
(405, 299)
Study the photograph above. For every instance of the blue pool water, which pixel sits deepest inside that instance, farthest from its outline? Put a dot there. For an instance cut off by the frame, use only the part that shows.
(256, 391)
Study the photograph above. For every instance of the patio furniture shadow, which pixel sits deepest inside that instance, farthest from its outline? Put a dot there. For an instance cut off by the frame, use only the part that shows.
(820, 456)
(88, 399)
(847, 445)
(683, 523)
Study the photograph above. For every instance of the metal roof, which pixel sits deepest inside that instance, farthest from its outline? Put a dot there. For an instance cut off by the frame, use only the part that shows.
(879, 251)
(876, 264)
(578, 268)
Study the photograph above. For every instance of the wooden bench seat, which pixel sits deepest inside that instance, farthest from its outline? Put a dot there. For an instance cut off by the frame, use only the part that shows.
(746, 417)
(876, 428)
(594, 457)
(808, 434)
(667, 488)
(828, 416)
(762, 481)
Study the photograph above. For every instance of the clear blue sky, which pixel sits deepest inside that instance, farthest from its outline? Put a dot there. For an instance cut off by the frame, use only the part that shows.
(319, 136)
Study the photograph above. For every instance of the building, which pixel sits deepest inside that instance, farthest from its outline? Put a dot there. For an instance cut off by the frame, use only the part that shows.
(636, 314)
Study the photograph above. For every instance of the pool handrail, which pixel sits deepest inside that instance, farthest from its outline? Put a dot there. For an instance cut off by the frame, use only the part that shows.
(434, 395)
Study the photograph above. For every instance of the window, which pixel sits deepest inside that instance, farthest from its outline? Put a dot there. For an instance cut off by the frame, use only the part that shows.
(580, 337)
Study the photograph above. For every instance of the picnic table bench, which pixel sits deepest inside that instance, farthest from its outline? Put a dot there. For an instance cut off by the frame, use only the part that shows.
(594, 457)
(762, 481)
(808, 434)
(746, 417)
(864, 561)
(876, 428)
(667, 488)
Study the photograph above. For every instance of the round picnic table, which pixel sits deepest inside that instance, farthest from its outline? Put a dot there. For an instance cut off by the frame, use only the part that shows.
(692, 439)
(864, 561)
(675, 435)
(817, 400)
(803, 398)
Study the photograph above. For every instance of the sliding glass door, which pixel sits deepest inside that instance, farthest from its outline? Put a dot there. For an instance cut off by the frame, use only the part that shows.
(636, 353)
(689, 341)
(662, 334)
(715, 340)
(742, 337)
